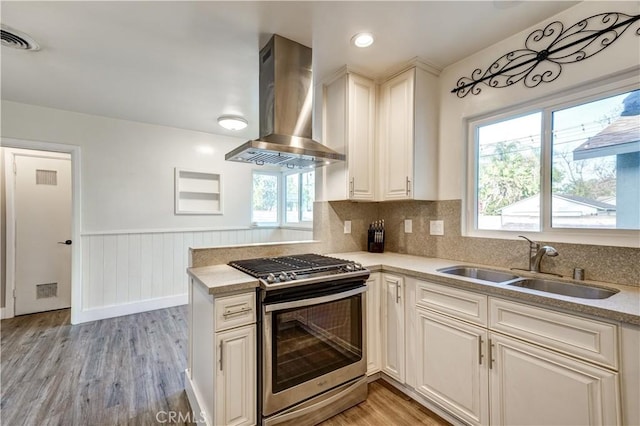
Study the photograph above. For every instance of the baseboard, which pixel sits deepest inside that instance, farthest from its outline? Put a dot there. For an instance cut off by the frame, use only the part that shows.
(2, 313)
(411, 393)
(113, 311)
(199, 416)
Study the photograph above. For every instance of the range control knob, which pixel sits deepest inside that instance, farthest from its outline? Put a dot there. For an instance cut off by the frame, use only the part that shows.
(283, 276)
(271, 278)
(293, 276)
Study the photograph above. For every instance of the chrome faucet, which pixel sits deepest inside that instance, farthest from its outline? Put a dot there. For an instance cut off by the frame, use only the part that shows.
(533, 251)
(544, 250)
(536, 253)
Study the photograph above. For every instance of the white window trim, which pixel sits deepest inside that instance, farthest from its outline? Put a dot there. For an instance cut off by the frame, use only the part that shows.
(282, 198)
(275, 224)
(302, 224)
(600, 89)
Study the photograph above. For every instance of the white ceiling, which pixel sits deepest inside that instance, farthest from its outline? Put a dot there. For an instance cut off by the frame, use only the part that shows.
(182, 64)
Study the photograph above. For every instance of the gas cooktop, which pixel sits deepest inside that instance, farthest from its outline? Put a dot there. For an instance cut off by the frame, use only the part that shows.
(285, 271)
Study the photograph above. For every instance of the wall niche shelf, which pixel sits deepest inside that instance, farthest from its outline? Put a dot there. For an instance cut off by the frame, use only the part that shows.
(198, 192)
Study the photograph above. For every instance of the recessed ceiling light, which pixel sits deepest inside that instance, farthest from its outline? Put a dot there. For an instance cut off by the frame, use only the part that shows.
(232, 122)
(362, 39)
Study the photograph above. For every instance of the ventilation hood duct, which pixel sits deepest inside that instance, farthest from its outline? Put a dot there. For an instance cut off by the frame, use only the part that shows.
(286, 101)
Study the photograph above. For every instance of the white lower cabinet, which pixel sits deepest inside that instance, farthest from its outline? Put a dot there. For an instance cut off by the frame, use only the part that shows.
(452, 368)
(523, 372)
(221, 379)
(236, 379)
(393, 342)
(373, 324)
(535, 386)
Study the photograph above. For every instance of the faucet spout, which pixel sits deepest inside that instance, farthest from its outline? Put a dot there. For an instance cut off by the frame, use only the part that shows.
(542, 251)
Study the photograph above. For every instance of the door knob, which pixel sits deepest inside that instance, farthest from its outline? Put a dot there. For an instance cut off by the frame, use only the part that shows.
(67, 242)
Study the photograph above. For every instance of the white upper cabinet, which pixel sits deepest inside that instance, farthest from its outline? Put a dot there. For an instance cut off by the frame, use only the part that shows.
(407, 137)
(349, 112)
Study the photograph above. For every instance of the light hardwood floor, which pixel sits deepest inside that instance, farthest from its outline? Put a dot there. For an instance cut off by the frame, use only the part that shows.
(128, 371)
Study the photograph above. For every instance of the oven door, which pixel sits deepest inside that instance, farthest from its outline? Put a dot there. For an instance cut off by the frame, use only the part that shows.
(311, 345)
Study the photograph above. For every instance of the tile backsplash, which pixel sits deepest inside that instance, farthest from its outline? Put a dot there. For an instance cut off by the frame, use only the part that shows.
(601, 263)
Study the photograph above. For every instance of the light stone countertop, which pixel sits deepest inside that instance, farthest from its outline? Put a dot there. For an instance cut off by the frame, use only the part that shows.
(623, 306)
(220, 279)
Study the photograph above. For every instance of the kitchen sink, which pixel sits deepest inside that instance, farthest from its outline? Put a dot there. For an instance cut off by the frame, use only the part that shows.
(479, 273)
(565, 289)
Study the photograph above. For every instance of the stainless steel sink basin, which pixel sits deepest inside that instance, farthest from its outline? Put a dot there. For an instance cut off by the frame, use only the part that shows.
(479, 273)
(566, 289)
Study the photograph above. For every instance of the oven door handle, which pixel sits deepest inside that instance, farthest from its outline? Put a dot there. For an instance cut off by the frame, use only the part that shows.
(313, 301)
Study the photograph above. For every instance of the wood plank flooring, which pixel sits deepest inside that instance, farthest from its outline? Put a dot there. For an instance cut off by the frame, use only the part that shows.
(386, 406)
(128, 371)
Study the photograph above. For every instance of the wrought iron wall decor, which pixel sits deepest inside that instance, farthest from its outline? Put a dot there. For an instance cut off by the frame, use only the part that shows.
(546, 50)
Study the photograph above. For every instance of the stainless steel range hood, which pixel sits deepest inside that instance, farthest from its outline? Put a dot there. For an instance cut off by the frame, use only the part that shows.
(286, 101)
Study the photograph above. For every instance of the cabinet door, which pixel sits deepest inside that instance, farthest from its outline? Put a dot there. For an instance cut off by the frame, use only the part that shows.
(373, 324)
(451, 366)
(393, 326)
(397, 136)
(236, 377)
(535, 386)
(360, 136)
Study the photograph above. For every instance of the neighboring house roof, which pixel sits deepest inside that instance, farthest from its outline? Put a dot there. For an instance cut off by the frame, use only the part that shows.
(531, 205)
(609, 200)
(600, 205)
(620, 137)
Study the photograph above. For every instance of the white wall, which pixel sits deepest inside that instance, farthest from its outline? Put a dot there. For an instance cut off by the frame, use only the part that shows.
(3, 232)
(622, 55)
(127, 203)
(128, 167)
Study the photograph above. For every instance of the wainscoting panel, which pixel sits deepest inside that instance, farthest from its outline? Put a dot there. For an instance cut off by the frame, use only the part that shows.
(125, 272)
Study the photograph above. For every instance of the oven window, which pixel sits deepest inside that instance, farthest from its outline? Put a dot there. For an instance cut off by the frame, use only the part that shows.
(315, 340)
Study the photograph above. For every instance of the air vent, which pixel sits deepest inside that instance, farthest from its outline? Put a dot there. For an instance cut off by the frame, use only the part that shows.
(44, 291)
(17, 40)
(46, 177)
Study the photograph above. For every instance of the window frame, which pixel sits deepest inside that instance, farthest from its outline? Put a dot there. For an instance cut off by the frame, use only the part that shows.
(547, 105)
(301, 223)
(279, 191)
(282, 200)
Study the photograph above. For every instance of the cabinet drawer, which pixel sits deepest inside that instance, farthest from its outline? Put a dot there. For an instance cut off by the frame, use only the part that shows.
(592, 340)
(458, 303)
(236, 310)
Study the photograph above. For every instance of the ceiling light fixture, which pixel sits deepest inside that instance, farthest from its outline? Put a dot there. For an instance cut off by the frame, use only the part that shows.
(362, 39)
(17, 39)
(232, 122)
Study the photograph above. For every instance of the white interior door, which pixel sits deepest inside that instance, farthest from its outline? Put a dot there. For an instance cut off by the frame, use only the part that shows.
(43, 233)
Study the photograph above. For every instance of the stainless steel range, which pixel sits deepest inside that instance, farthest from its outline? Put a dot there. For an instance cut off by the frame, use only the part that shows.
(312, 359)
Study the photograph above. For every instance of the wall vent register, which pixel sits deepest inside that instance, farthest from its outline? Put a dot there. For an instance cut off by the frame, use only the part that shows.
(44, 291)
(46, 177)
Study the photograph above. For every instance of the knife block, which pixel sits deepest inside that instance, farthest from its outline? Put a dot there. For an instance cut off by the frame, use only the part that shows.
(375, 241)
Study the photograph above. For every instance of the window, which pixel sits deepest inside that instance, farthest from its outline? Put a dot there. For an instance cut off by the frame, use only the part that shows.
(265, 198)
(283, 198)
(508, 165)
(558, 168)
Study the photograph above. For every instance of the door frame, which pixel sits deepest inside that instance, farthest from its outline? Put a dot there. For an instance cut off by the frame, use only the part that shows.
(76, 222)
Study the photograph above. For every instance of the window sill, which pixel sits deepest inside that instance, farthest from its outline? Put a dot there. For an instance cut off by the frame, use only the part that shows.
(614, 238)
